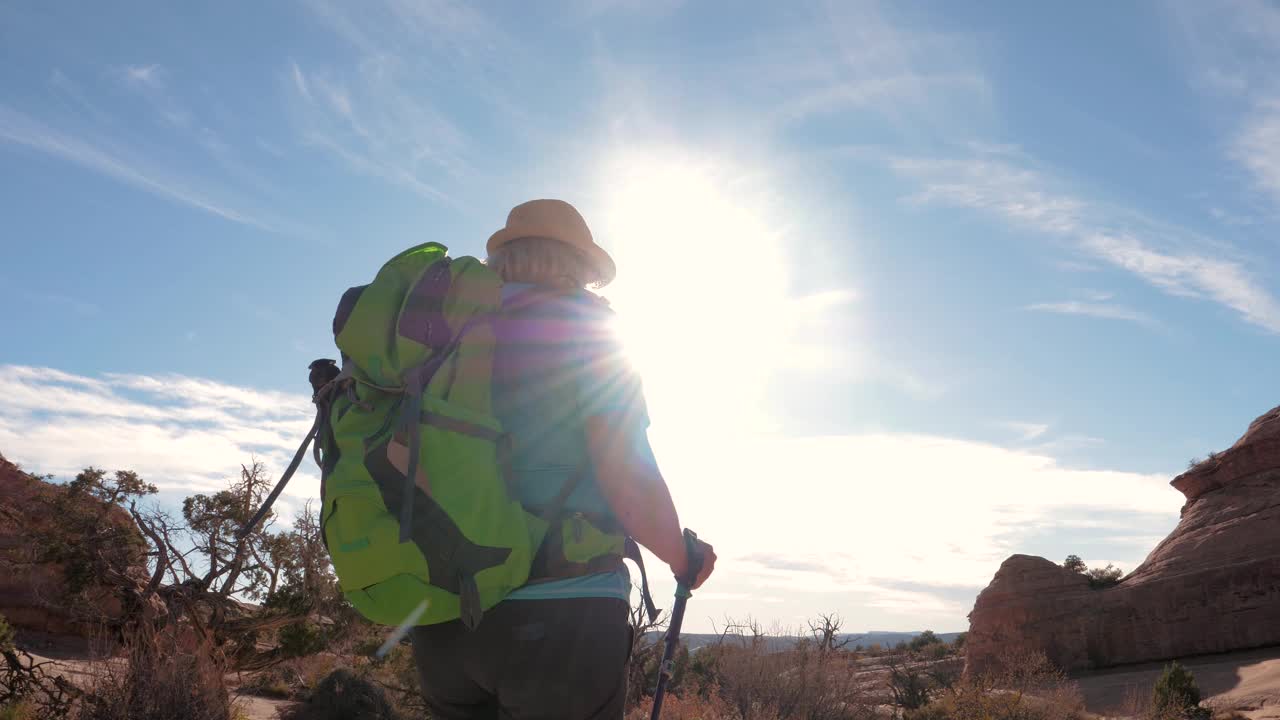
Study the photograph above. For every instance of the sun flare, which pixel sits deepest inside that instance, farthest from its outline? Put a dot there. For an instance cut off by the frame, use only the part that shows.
(702, 291)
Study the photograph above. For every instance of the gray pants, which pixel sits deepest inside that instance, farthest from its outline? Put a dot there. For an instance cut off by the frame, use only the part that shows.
(529, 659)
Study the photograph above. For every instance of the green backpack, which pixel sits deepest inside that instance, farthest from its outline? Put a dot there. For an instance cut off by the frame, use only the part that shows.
(418, 512)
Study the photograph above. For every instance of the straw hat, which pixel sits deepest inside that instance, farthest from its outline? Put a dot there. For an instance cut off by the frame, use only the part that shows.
(558, 220)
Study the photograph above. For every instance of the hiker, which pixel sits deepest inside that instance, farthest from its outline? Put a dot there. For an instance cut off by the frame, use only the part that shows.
(559, 646)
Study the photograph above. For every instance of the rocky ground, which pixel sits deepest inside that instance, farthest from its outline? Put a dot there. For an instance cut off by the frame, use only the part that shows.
(1248, 682)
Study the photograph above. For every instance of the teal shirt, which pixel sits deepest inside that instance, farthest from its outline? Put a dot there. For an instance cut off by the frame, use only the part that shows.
(565, 364)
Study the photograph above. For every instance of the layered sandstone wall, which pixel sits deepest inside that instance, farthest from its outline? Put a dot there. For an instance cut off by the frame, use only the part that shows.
(1212, 586)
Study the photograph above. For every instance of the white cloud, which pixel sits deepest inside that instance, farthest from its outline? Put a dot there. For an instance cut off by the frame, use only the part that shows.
(1170, 258)
(176, 431)
(828, 518)
(819, 521)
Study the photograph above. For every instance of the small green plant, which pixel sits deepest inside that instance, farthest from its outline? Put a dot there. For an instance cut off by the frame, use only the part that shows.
(1075, 564)
(1176, 695)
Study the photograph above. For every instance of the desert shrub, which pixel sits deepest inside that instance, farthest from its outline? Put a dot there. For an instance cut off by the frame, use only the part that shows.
(342, 695)
(21, 710)
(938, 651)
(6, 635)
(690, 706)
(397, 675)
(157, 680)
(1176, 695)
(294, 678)
(909, 685)
(271, 683)
(1075, 564)
(756, 681)
(1104, 577)
(29, 689)
(1031, 689)
(367, 646)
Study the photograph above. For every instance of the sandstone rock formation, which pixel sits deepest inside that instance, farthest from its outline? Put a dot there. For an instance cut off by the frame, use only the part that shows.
(37, 592)
(1212, 586)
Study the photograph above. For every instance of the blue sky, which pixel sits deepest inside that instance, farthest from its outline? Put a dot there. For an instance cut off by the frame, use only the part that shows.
(913, 285)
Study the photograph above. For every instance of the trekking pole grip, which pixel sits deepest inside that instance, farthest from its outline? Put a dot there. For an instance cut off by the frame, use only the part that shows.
(693, 550)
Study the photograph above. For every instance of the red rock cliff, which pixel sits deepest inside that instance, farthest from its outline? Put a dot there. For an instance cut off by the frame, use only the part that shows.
(1212, 586)
(34, 590)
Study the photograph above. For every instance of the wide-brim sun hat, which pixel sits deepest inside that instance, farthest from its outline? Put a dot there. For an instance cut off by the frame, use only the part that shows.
(557, 220)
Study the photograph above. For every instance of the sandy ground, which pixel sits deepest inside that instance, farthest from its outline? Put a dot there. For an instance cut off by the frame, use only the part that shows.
(1245, 681)
(260, 708)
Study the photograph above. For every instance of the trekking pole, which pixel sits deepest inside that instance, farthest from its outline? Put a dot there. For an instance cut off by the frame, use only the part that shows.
(683, 593)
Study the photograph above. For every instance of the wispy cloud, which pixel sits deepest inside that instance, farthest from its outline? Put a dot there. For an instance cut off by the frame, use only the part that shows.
(1170, 258)
(1257, 147)
(1028, 431)
(1232, 50)
(379, 130)
(152, 76)
(1106, 311)
(383, 114)
(1191, 274)
(75, 305)
(20, 129)
(822, 61)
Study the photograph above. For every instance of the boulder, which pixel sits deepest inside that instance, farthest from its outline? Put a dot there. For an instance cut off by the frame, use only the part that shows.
(1211, 586)
(38, 590)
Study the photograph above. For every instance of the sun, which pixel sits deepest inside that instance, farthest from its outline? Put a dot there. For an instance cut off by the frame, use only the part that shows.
(701, 293)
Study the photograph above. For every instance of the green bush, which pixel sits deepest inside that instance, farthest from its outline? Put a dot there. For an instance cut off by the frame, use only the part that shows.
(923, 640)
(1104, 577)
(1176, 695)
(301, 639)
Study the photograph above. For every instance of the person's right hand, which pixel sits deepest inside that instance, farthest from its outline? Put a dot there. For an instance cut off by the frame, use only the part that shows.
(708, 555)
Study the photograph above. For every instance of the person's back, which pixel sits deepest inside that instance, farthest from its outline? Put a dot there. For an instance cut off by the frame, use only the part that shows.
(575, 416)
